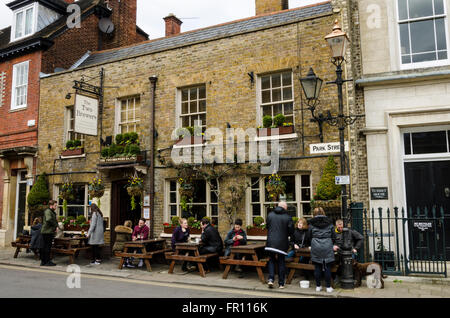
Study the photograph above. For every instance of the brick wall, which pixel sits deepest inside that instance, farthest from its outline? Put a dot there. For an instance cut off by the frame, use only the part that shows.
(222, 66)
(267, 6)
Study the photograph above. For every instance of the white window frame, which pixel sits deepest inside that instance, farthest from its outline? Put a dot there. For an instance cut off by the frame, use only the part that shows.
(260, 104)
(68, 130)
(167, 204)
(179, 115)
(60, 212)
(14, 84)
(118, 113)
(425, 157)
(298, 195)
(425, 64)
(34, 23)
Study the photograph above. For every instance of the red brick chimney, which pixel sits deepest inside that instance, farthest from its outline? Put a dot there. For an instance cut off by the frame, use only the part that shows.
(267, 6)
(173, 25)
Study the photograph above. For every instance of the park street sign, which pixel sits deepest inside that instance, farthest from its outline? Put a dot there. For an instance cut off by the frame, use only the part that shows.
(342, 180)
(326, 148)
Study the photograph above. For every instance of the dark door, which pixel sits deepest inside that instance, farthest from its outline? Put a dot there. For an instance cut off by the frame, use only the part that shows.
(428, 186)
(121, 207)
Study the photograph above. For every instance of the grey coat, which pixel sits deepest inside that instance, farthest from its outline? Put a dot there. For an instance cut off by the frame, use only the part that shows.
(322, 236)
(96, 232)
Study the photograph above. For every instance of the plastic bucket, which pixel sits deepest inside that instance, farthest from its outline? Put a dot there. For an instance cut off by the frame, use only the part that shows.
(304, 284)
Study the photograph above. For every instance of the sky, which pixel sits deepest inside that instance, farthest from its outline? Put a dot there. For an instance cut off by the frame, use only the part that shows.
(195, 14)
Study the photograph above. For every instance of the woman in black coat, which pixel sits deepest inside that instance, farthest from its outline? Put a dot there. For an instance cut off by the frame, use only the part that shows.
(37, 242)
(181, 235)
(300, 238)
(323, 246)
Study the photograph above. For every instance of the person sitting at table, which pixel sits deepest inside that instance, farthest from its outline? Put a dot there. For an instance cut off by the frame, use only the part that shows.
(235, 237)
(211, 240)
(37, 242)
(141, 232)
(300, 239)
(123, 234)
(181, 235)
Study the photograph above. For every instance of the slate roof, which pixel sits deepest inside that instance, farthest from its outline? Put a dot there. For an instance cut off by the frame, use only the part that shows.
(210, 33)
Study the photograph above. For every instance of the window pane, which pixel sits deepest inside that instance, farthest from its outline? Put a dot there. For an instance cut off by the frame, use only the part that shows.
(402, 10)
(185, 121)
(193, 107)
(184, 108)
(440, 34)
(265, 82)
(199, 191)
(276, 95)
(19, 24)
(256, 209)
(306, 208)
(422, 36)
(173, 186)
(438, 7)
(404, 38)
(424, 57)
(292, 210)
(267, 111)
(199, 211)
(202, 92)
(287, 79)
(173, 197)
(287, 93)
(173, 210)
(305, 181)
(266, 97)
(255, 183)
(442, 55)
(288, 109)
(255, 195)
(193, 92)
(290, 188)
(429, 142)
(214, 210)
(276, 80)
(184, 95)
(78, 195)
(202, 106)
(407, 142)
(203, 120)
(277, 109)
(406, 59)
(75, 211)
(29, 21)
(420, 8)
(306, 195)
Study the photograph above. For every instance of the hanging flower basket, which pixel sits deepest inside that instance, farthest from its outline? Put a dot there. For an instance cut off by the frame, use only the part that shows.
(275, 187)
(135, 188)
(134, 191)
(96, 188)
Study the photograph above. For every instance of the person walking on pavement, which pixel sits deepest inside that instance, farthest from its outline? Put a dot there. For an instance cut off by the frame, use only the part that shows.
(323, 246)
(48, 232)
(280, 228)
(96, 234)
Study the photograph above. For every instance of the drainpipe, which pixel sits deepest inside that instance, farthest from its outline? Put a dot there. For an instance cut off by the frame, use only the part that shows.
(153, 79)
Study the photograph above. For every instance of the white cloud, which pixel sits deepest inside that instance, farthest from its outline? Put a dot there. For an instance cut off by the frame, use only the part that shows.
(194, 13)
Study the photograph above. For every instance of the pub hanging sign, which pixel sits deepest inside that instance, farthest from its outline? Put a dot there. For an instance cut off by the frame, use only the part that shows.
(86, 115)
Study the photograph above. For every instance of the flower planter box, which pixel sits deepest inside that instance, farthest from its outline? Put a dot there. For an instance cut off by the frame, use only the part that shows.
(122, 159)
(190, 141)
(75, 228)
(71, 153)
(266, 132)
(169, 230)
(256, 232)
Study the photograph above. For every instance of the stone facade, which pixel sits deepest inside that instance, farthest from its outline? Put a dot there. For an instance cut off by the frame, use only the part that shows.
(223, 67)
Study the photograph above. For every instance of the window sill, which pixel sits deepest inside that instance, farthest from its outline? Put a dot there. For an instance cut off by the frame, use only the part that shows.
(73, 157)
(278, 137)
(18, 109)
(166, 235)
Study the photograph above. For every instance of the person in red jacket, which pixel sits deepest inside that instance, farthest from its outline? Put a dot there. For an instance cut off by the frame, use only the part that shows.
(141, 232)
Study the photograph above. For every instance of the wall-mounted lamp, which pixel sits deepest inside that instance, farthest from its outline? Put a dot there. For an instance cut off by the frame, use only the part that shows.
(252, 77)
(69, 95)
(49, 147)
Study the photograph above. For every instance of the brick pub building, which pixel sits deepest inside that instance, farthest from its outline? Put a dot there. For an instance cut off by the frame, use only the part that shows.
(230, 74)
(40, 41)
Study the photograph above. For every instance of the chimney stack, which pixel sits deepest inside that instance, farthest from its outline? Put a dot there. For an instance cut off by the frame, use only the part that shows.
(268, 6)
(173, 25)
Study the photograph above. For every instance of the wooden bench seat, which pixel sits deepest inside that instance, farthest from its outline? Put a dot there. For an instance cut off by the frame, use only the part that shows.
(23, 242)
(229, 261)
(72, 252)
(202, 258)
(293, 266)
(148, 255)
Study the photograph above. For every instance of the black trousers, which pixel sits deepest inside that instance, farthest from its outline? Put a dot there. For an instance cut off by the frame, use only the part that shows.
(96, 252)
(45, 251)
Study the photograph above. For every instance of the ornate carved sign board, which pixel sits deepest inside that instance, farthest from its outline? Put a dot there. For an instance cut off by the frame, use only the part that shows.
(379, 193)
(86, 115)
(327, 147)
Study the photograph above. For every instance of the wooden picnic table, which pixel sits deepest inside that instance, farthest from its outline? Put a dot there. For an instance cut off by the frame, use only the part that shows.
(23, 241)
(147, 248)
(295, 264)
(185, 248)
(70, 246)
(250, 250)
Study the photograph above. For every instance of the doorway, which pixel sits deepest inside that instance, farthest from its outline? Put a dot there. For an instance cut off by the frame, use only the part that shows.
(428, 186)
(21, 197)
(121, 207)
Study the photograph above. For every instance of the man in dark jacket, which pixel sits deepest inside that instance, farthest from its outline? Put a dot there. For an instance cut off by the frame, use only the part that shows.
(48, 230)
(211, 240)
(356, 238)
(235, 237)
(279, 228)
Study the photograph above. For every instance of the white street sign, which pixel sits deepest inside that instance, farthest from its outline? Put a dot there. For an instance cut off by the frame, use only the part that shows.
(326, 148)
(341, 180)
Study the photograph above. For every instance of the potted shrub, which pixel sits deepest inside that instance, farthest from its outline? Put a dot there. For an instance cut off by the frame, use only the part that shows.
(258, 228)
(38, 197)
(73, 148)
(275, 187)
(327, 192)
(126, 148)
(190, 136)
(279, 121)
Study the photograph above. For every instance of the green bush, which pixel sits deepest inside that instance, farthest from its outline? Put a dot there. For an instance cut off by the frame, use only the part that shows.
(112, 150)
(105, 152)
(279, 120)
(175, 221)
(257, 221)
(119, 139)
(70, 144)
(191, 221)
(126, 138)
(77, 143)
(134, 150)
(134, 137)
(327, 188)
(39, 194)
(80, 219)
(120, 149)
(267, 121)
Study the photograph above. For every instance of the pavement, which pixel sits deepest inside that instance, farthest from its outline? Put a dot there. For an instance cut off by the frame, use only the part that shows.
(394, 286)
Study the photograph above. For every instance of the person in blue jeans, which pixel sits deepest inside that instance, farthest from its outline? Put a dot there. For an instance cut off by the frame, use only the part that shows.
(279, 229)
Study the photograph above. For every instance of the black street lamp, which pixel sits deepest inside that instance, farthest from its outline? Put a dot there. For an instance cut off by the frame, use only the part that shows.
(338, 42)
